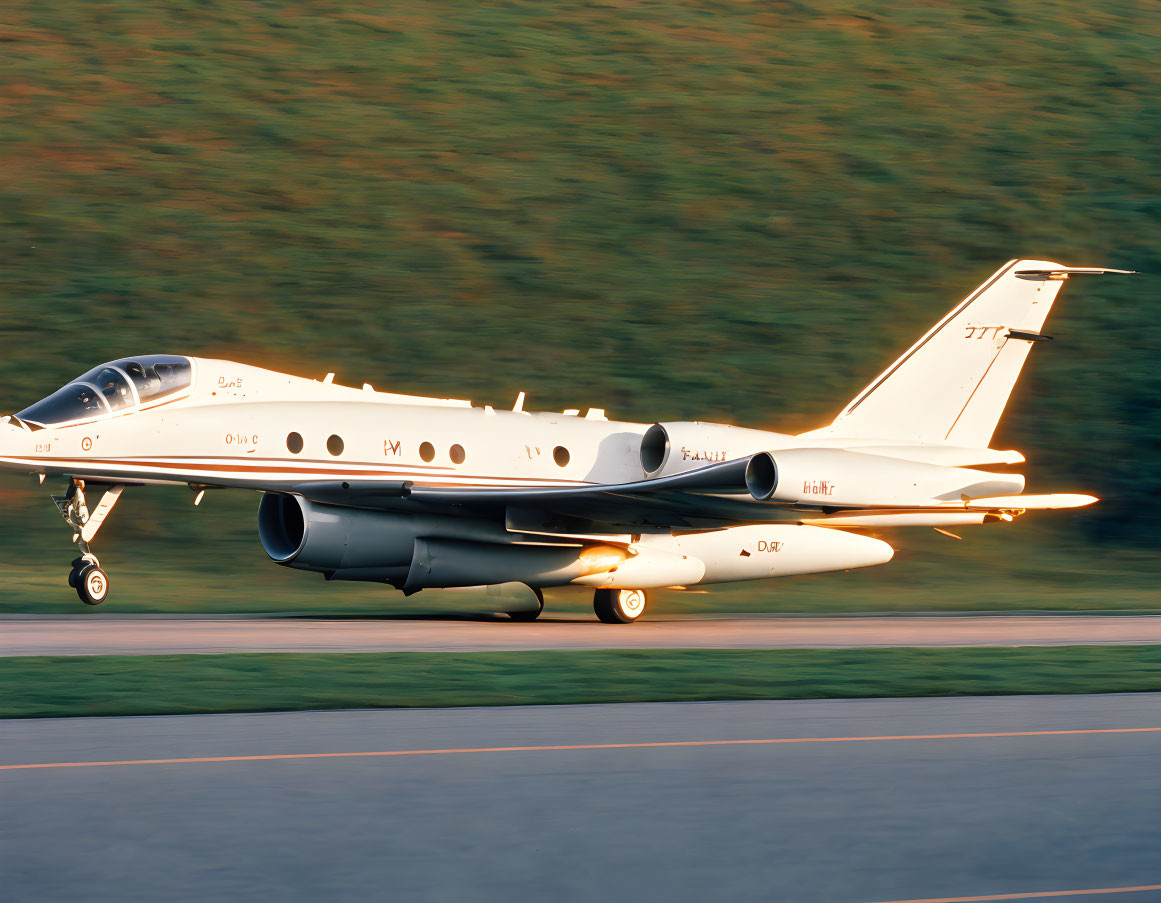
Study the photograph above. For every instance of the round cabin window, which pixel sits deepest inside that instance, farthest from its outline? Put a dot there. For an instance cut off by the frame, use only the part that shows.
(560, 456)
(427, 451)
(294, 443)
(457, 454)
(335, 445)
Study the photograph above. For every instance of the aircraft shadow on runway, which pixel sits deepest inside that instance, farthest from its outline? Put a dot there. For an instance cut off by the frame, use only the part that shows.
(481, 616)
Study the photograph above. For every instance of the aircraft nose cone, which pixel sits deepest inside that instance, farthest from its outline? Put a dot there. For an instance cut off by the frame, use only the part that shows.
(14, 444)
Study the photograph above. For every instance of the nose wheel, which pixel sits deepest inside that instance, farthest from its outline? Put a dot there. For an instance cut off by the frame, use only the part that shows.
(90, 582)
(86, 576)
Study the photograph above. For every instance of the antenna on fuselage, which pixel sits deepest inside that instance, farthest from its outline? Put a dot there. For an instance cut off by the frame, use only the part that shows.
(519, 406)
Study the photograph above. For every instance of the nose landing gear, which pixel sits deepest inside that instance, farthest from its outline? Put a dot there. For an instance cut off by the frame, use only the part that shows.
(86, 576)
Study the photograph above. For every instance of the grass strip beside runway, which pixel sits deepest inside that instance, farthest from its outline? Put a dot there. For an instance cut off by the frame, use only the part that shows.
(186, 684)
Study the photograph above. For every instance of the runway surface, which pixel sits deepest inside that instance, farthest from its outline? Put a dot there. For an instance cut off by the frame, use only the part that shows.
(839, 801)
(141, 636)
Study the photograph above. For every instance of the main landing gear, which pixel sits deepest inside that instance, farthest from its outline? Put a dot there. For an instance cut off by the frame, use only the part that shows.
(86, 576)
(619, 606)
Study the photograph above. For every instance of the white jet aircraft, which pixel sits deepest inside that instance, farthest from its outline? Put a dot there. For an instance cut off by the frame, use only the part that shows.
(432, 492)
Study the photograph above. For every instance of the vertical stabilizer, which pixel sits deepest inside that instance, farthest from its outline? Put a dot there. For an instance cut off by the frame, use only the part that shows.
(952, 385)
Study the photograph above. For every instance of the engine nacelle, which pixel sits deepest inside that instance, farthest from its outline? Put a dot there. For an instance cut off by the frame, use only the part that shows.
(831, 477)
(669, 448)
(417, 552)
(301, 534)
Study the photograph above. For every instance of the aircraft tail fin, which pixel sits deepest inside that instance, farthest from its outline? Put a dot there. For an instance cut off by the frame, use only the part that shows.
(953, 384)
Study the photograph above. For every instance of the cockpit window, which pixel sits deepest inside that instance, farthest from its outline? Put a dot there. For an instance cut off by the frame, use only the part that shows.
(111, 387)
(114, 385)
(157, 375)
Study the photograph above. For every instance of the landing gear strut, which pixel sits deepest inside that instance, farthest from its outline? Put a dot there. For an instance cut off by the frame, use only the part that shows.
(86, 576)
(619, 606)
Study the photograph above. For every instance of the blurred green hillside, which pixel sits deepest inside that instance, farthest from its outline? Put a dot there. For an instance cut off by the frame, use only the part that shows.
(721, 211)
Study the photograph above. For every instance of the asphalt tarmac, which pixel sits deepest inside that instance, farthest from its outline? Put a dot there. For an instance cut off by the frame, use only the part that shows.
(31, 635)
(839, 801)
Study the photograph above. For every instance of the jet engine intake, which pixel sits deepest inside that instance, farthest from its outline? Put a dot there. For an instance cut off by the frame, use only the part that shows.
(281, 525)
(417, 552)
(302, 534)
(670, 448)
(355, 543)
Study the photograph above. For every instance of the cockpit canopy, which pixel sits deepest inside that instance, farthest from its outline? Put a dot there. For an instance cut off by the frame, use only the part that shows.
(111, 388)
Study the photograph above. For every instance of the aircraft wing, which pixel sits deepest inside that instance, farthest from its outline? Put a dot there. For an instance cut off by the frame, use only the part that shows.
(706, 498)
(712, 495)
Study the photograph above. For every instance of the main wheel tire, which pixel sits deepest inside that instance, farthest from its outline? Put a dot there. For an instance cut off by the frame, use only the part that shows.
(530, 614)
(619, 606)
(77, 565)
(92, 584)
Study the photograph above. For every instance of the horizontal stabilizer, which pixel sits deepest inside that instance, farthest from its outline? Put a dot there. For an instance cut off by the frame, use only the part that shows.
(1032, 502)
(1059, 272)
(946, 455)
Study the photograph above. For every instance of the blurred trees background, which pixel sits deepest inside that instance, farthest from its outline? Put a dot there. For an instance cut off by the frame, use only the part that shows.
(721, 211)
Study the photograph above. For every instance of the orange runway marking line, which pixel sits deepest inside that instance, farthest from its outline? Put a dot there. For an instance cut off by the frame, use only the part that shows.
(1039, 895)
(780, 741)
